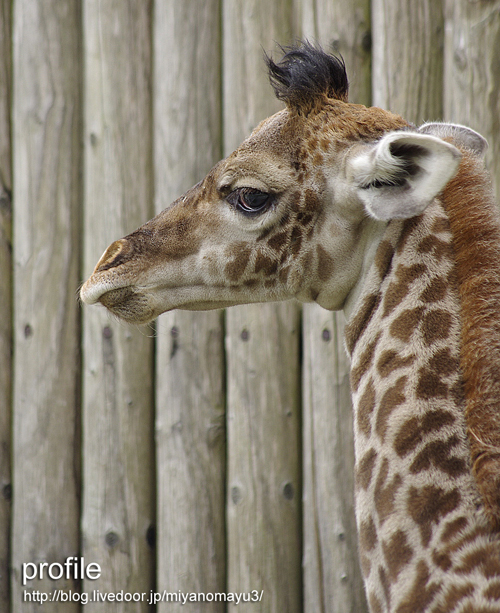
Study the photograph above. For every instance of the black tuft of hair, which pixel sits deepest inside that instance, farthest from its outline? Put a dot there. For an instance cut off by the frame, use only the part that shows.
(305, 75)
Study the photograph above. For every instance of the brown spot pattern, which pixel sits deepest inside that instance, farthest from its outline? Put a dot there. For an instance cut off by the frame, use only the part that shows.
(413, 431)
(364, 362)
(364, 469)
(235, 269)
(493, 591)
(383, 257)
(485, 560)
(278, 241)
(365, 563)
(436, 325)
(443, 362)
(453, 528)
(428, 505)
(442, 560)
(295, 240)
(409, 226)
(368, 535)
(365, 408)
(453, 596)
(355, 328)
(390, 361)
(375, 604)
(435, 291)
(440, 224)
(398, 290)
(421, 593)
(311, 201)
(406, 323)
(437, 454)
(392, 398)
(265, 264)
(397, 554)
(430, 385)
(384, 495)
(438, 248)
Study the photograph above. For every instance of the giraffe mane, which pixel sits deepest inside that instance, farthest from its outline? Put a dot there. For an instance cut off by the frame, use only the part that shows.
(475, 226)
(306, 75)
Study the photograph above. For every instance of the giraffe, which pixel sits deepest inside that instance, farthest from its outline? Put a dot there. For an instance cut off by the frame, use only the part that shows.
(356, 209)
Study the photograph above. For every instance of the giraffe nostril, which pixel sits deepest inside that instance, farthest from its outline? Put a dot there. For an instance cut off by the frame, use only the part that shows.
(114, 255)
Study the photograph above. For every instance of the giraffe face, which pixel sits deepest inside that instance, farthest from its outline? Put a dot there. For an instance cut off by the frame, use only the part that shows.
(260, 227)
(289, 214)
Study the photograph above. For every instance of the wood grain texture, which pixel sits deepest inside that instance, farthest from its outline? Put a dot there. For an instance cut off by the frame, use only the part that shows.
(46, 115)
(118, 467)
(408, 58)
(264, 485)
(472, 73)
(191, 448)
(342, 27)
(5, 298)
(332, 576)
(251, 28)
(190, 381)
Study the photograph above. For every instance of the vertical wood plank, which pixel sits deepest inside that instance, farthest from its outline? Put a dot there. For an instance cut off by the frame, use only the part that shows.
(341, 26)
(190, 412)
(46, 118)
(264, 519)
(250, 27)
(472, 73)
(5, 298)
(264, 489)
(408, 58)
(118, 453)
(332, 576)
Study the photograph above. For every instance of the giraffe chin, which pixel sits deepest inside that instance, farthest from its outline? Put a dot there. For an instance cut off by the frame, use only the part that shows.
(136, 306)
(130, 306)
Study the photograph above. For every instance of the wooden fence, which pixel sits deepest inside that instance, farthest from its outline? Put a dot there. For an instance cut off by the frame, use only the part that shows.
(211, 453)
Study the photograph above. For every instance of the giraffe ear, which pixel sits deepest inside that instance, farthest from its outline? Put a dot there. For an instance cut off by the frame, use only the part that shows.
(460, 135)
(400, 175)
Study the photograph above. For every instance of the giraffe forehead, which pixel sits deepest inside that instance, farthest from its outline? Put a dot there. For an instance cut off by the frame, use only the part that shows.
(264, 156)
(289, 140)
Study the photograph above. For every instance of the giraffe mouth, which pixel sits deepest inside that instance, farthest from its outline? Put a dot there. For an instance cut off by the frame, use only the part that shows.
(136, 305)
(128, 304)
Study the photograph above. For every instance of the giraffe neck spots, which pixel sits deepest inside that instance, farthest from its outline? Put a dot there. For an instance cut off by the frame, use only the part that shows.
(415, 495)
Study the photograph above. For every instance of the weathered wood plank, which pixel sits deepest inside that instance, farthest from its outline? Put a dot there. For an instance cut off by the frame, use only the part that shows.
(341, 27)
(332, 576)
(408, 58)
(250, 28)
(46, 118)
(472, 72)
(264, 487)
(190, 438)
(190, 412)
(5, 298)
(118, 467)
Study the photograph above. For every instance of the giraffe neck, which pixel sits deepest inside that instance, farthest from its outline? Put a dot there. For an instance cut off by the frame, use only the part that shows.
(425, 541)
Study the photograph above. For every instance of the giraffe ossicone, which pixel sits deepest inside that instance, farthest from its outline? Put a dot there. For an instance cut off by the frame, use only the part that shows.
(356, 209)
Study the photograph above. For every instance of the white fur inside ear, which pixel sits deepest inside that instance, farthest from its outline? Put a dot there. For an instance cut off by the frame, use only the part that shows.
(399, 176)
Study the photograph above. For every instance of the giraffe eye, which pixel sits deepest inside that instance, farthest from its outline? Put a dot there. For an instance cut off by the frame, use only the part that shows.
(249, 201)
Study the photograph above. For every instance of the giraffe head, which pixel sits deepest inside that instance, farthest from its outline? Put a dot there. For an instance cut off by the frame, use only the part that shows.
(289, 214)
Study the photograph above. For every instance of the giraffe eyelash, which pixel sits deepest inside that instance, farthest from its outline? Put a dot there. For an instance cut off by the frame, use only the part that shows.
(249, 201)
